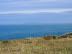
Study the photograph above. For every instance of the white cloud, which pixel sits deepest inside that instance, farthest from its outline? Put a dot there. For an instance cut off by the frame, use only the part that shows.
(37, 11)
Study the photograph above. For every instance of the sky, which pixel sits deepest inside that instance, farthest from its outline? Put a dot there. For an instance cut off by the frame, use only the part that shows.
(35, 12)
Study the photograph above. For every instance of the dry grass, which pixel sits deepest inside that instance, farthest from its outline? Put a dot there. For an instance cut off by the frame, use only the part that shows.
(37, 46)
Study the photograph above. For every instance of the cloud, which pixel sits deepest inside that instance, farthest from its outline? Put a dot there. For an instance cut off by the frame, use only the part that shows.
(37, 11)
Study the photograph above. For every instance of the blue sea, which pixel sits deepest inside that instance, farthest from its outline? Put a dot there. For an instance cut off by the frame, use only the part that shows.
(25, 31)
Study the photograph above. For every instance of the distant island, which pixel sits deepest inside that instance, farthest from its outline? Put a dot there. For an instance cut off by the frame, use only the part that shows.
(39, 45)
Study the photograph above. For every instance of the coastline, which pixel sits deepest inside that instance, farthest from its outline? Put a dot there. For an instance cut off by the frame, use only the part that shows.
(38, 45)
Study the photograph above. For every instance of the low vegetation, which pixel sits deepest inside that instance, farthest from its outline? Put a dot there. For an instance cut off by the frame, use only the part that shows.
(40, 45)
(5, 42)
(68, 35)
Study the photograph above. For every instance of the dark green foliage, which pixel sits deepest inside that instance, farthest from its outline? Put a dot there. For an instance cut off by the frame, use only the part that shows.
(5, 42)
(65, 36)
(54, 37)
(70, 33)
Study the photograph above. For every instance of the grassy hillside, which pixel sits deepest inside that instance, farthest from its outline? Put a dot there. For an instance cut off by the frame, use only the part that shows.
(38, 45)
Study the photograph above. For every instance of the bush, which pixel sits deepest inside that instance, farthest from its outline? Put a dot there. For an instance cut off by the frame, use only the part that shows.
(65, 36)
(54, 37)
(70, 36)
(70, 33)
(48, 38)
(5, 41)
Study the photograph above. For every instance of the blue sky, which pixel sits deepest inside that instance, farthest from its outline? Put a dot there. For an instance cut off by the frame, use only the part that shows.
(35, 11)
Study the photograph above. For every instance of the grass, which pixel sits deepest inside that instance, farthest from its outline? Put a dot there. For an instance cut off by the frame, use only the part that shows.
(37, 45)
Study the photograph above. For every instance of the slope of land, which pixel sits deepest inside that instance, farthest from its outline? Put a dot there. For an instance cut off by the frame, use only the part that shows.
(37, 45)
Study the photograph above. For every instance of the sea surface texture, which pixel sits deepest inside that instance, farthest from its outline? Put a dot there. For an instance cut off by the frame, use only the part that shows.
(26, 31)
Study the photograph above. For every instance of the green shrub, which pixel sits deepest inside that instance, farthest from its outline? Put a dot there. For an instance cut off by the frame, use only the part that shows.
(70, 33)
(54, 37)
(5, 41)
(65, 36)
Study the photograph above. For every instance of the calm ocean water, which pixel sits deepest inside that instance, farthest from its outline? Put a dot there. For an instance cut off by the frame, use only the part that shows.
(25, 31)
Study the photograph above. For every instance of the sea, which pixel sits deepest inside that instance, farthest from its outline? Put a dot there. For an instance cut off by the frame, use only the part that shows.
(10, 32)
